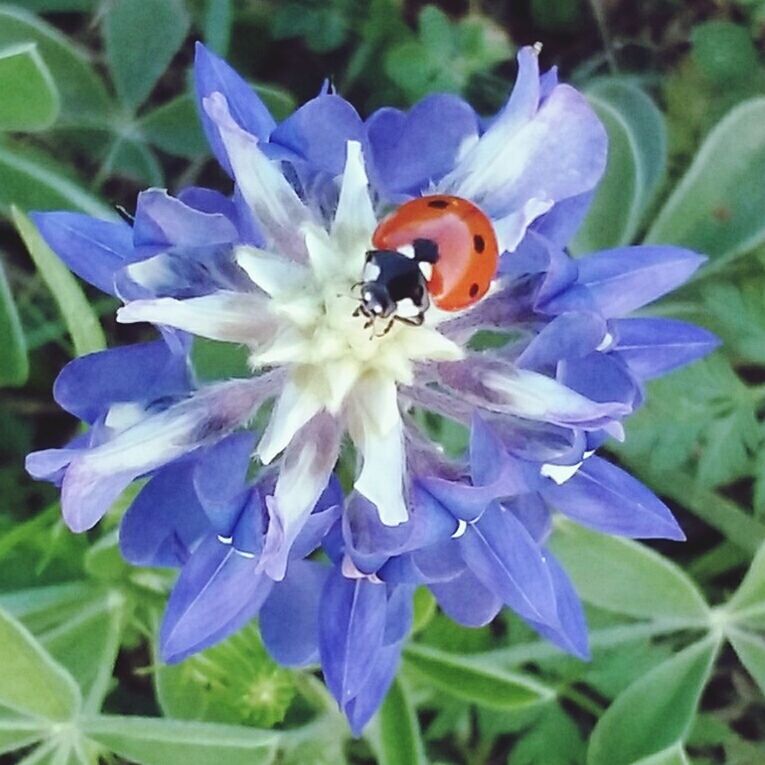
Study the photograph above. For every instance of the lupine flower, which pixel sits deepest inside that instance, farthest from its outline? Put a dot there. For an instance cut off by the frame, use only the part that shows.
(271, 265)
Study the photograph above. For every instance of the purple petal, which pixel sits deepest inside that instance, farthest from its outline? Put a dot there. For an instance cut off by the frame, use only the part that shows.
(440, 562)
(94, 249)
(533, 513)
(399, 613)
(208, 201)
(626, 278)
(505, 558)
(600, 377)
(164, 521)
(219, 480)
(653, 347)
(144, 372)
(603, 497)
(571, 632)
(217, 592)
(466, 600)
(563, 221)
(289, 619)
(568, 336)
(409, 151)
(351, 628)
(318, 132)
(162, 221)
(213, 74)
(362, 707)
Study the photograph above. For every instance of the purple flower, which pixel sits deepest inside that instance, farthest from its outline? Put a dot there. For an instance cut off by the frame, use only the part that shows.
(271, 267)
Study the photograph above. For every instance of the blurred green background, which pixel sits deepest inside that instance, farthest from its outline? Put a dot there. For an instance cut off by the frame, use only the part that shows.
(95, 105)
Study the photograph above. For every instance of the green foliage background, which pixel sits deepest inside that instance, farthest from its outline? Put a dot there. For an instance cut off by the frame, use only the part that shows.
(95, 104)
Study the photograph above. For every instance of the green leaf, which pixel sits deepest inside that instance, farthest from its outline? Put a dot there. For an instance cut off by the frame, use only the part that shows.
(41, 608)
(712, 414)
(656, 712)
(32, 180)
(75, 309)
(141, 38)
(400, 742)
(717, 206)
(468, 680)
(83, 95)
(724, 51)
(750, 649)
(626, 577)
(553, 740)
(30, 98)
(31, 682)
(154, 741)
(18, 732)
(675, 755)
(87, 646)
(14, 364)
(637, 158)
(750, 594)
(174, 128)
(214, 360)
(219, 17)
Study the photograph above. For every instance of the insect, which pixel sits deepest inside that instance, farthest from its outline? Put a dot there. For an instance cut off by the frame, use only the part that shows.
(440, 248)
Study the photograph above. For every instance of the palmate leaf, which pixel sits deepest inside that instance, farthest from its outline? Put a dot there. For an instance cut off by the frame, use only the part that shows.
(398, 740)
(714, 429)
(14, 364)
(655, 713)
(554, 740)
(30, 96)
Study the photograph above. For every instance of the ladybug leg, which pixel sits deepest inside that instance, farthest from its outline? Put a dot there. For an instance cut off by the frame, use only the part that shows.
(412, 321)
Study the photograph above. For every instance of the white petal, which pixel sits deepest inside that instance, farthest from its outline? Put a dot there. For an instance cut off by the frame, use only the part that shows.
(235, 317)
(326, 256)
(425, 344)
(560, 473)
(274, 275)
(296, 405)
(511, 229)
(305, 472)
(277, 207)
(355, 216)
(377, 430)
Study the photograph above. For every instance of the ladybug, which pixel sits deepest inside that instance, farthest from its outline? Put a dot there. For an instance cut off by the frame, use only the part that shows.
(438, 247)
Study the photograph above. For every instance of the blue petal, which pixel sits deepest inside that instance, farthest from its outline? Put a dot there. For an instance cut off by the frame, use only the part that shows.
(217, 593)
(533, 513)
(571, 631)
(563, 221)
(162, 221)
(94, 249)
(568, 336)
(653, 347)
(318, 132)
(289, 619)
(600, 377)
(410, 151)
(219, 480)
(145, 372)
(603, 497)
(208, 201)
(466, 600)
(505, 558)
(440, 562)
(165, 520)
(399, 613)
(328, 510)
(213, 74)
(626, 278)
(362, 707)
(351, 628)
(250, 529)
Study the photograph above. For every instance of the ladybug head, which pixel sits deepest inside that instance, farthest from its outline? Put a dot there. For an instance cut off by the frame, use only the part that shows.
(376, 301)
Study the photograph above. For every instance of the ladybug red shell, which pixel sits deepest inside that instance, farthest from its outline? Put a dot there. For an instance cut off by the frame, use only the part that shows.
(466, 246)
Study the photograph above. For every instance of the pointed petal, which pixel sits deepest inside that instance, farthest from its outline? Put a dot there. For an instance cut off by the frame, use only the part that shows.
(234, 317)
(289, 619)
(305, 472)
(654, 347)
(604, 497)
(504, 557)
(274, 275)
(626, 278)
(377, 430)
(355, 218)
(275, 203)
(212, 74)
(351, 629)
(94, 249)
(217, 593)
(96, 477)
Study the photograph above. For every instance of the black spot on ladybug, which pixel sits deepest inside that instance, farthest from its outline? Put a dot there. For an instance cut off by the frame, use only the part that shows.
(438, 204)
(478, 243)
(474, 289)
